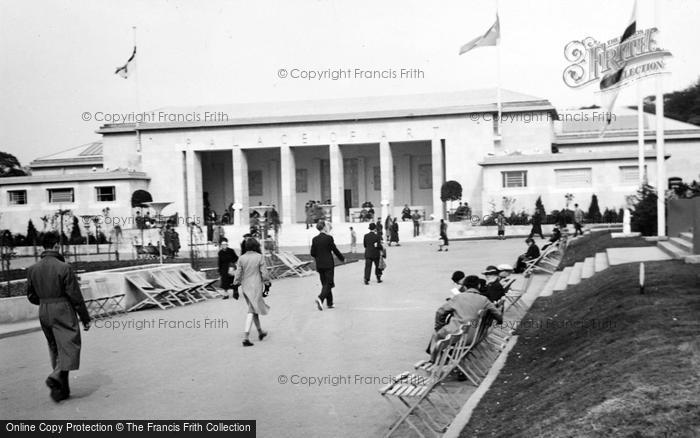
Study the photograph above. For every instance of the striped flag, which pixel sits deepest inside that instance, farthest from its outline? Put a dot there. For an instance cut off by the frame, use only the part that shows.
(610, 80)
(123, 71)
(490, 38)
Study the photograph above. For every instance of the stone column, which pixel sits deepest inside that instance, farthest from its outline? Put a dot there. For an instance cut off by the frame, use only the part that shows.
(240, 186)
(386, 169)
(438, 172)
(193, 167)
(288, 185)
(337, 183)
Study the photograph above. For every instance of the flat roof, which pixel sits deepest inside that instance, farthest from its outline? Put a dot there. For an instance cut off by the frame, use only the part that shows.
(74, 177)
(333, 110)
(499, 160)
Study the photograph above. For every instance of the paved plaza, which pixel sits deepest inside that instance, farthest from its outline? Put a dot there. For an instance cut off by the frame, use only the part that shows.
(374, 332)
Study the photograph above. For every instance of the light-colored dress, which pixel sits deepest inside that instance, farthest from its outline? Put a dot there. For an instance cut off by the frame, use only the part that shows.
(251, 274)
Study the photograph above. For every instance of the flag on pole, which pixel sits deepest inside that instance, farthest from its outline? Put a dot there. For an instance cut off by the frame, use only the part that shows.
(123, 71)
(490, 38)
(610, 80)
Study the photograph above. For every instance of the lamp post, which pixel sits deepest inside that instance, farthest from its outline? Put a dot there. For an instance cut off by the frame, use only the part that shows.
(158, 207)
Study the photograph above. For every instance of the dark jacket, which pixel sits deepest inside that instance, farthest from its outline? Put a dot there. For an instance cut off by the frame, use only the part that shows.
(532, 252)
(227, 258)
(493, 291)
(52, 278)
(322, 250)
(373, 246)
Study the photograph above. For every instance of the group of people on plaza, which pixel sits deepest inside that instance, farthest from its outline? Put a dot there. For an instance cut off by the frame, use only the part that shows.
(53, 285)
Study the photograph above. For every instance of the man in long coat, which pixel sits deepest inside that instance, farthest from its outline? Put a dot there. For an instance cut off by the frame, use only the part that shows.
(53, 286)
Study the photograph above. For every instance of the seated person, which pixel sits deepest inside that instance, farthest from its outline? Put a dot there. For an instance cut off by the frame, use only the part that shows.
(458, 279)
(363, 215)
(462, 309)
(556, 235)
(532, 253)
(493, 289)
(504, 271)
(405, 213)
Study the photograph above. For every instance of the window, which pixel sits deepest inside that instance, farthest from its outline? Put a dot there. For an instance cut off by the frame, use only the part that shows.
(302, 176)
(17, 197)
(573, 177)
(255, 183)
(515, 178)
(57, 196)
(630, 174)
(106, 194)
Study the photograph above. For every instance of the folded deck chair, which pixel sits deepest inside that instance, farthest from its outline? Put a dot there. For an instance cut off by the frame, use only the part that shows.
(153, 295)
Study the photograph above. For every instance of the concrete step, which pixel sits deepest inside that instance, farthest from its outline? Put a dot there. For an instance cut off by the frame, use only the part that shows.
(575, 275)
(601, 261)
(563, 279)
(682, 244)
(588, 267)
(549, 286)
(672, 250)
(688, 237)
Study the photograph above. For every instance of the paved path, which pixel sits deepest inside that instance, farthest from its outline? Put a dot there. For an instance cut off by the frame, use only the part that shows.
(375, 332)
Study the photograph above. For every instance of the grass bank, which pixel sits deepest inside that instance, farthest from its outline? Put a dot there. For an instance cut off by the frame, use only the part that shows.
(602, 360)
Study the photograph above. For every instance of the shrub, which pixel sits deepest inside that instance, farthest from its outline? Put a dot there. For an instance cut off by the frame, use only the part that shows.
(594, 210)
(644, 219)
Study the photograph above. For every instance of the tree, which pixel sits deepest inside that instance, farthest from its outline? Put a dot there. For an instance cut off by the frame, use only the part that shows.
(540, 206)
(683, 105)
(9, 166)
(31, 232)
(450, 191)
(76, 238)
(643, 218)
(594, 210)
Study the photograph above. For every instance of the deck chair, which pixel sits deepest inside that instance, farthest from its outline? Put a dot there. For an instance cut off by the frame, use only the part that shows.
(293, 267)
(157, 296)
(109, 301)
(409, 393)
(482, 353)
(198, 287)
(206, 285)
(89, 298)
(303, 266)
(513, 296)
(276, 270)
(546, 262)
(182, 291)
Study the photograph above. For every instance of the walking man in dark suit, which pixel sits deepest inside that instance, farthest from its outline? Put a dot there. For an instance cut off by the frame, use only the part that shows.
(322, 250)
(53, 286)
(373, 251)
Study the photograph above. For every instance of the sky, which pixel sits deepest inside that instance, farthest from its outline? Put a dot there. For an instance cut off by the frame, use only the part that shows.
(57, 58)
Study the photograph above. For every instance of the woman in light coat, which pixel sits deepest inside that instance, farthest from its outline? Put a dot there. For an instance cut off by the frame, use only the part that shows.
(254, 282)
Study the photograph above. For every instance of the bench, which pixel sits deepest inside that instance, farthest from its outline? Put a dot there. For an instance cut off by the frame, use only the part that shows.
(421, 211)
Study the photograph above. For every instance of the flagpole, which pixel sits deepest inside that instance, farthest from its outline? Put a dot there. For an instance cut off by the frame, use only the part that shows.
(660, 153)
(136, 93)
(498, 73)
(640, 118)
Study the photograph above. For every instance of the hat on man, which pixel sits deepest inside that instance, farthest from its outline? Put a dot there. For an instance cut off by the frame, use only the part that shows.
(490, 270)
(505, 267)
(372, 226)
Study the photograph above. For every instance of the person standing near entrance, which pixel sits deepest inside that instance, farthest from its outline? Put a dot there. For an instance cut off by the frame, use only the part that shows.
(379, 229)
(53, 286)
(416, 223)
(373, 251)
(322, 250)
(353, 240)
(443, 235)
